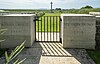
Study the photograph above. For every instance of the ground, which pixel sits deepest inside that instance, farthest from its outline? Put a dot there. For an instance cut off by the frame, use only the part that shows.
(54, 53)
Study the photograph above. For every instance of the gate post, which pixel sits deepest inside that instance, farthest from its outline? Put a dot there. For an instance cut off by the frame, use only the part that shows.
(60, 30)
(34, 20)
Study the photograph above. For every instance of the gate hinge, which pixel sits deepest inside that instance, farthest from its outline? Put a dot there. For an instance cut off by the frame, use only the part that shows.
(37, 20)
(60, 19)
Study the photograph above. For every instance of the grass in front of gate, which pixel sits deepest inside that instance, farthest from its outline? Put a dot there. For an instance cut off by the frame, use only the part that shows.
(52, 14)
(48, 25)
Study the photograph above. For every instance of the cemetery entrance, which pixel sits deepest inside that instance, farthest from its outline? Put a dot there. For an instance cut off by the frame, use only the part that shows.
(48, 29)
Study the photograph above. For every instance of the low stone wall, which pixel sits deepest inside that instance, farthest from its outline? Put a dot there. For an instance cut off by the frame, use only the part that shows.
(20, 27)
(78, 31)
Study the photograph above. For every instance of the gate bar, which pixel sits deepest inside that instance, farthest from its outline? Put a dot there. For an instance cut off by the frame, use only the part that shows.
(41, 29)
(53, 28)
(60, 27)
(38, 30)
(56, 27)
(47, 28)
(44, 28)
(50, 28)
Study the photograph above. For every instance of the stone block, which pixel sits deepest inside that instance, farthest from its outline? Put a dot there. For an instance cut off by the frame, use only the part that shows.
(78, 31)
(20, 27)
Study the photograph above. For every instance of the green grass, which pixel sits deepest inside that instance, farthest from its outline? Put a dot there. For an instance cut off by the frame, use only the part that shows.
(52, 14)
(76, 11)
(50, 24)
(2, 51)
(95, 55)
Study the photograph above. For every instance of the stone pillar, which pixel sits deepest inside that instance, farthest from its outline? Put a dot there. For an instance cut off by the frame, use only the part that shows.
(78, 31)
(20, 27)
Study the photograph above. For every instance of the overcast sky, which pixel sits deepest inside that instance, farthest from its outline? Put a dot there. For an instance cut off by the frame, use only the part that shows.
(45, 4)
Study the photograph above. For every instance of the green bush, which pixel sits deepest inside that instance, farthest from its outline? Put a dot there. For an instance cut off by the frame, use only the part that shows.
(40, 14)
(2, 51)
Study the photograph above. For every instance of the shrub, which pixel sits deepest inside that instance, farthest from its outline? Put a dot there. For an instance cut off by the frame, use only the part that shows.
(14, 54)
(11, 58)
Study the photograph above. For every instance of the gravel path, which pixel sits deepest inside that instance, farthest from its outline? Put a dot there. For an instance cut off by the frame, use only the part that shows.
(53, 53)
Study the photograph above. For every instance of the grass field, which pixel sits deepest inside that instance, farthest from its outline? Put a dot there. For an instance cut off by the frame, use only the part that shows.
(76, 11)
(48, 22)
(52, 14)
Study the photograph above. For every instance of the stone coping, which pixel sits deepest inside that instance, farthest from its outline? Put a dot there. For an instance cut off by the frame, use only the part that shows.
(76, 15)
(20, 15)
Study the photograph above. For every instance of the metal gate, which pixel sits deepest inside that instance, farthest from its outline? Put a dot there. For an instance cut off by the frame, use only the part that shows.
(48, 29)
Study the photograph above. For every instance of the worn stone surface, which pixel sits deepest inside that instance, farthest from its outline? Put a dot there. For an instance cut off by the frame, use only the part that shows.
(19, 27)
(78, 31)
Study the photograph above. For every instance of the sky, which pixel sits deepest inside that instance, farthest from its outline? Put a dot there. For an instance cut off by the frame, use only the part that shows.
(45, 4)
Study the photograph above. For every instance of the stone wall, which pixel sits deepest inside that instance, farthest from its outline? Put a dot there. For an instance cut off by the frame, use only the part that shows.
(20, 27)
(78, 31)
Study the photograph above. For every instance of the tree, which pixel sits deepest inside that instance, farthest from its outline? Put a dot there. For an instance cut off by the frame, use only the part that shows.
(58, 9)
(87, 7)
